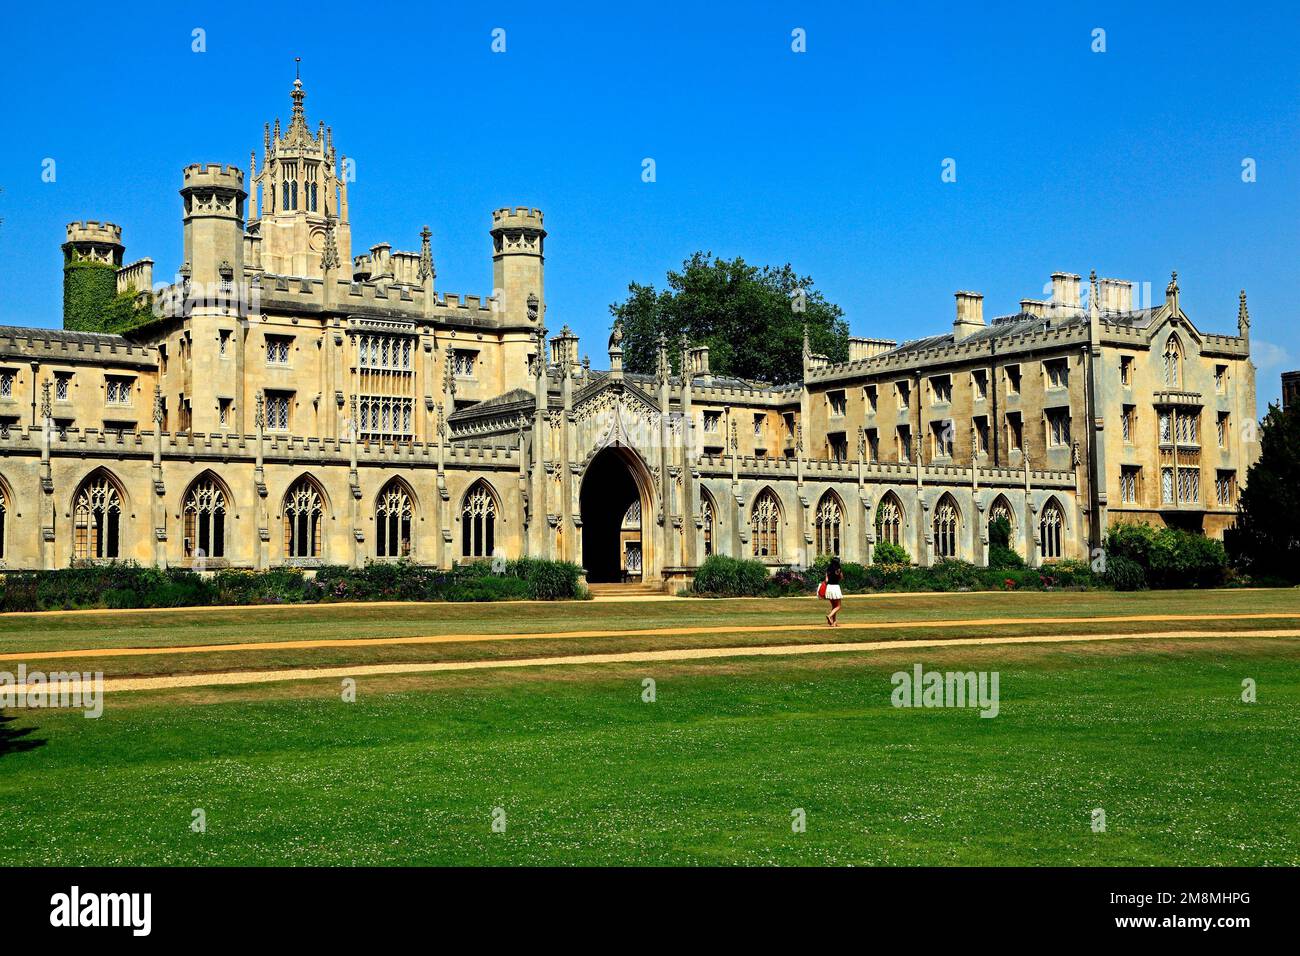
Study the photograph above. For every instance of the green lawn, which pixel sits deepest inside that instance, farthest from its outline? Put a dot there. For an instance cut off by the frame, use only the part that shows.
(1154, 733)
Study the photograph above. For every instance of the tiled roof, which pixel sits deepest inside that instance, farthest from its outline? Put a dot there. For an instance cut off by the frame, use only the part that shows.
(1003, 327)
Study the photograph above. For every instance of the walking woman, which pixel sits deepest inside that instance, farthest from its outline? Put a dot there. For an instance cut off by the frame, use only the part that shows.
(834, 578)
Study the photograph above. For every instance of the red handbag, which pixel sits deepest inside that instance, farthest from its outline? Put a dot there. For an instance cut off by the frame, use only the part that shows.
(821, 590)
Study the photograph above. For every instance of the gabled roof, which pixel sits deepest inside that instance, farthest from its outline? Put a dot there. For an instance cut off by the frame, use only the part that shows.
(513, 397)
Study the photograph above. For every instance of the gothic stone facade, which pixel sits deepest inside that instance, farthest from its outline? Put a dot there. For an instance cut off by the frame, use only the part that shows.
(292, 404)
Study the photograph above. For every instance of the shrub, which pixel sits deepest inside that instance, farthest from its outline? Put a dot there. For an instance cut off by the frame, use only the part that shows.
(1001, 556)
(1125, 574)
(1000, 533)
(886, 552)
(790, 582)
(274, 586)
(952, 575)
(1069, 573)
(547, 580)
(1169, 557)
(721, 576)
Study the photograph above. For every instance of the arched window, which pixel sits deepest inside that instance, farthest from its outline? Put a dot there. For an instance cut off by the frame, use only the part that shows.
(304, 513)
(284, 194)
(945, 528)
(1173, 362)
(393, 513)
(1050, 522)
(632, 545)
(707, 521)
(830, 515)
(889, 520)
(4, 519)
(478, 521)
(205, 520)
(765, 525)
(97, 521)
(1001, 511)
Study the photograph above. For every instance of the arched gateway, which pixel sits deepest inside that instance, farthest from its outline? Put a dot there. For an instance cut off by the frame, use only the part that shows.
(615, 500)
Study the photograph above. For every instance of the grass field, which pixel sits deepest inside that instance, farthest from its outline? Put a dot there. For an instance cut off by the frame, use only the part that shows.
(1153, 731)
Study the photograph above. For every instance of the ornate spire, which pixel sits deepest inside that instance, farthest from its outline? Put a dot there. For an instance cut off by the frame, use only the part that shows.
(47, 410)
(298, 94)
(259, 410)
(157, 404)
(1094, 300)
(426, 255)
(330, 254)
(449, 372)
(1243, 315)
(1171, 293)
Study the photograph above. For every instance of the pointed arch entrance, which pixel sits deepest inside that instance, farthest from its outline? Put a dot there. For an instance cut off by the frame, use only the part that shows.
(615, 499)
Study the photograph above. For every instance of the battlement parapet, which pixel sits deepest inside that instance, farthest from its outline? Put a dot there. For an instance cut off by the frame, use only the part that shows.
(138, 275)
(213, 176)
(58, 345)
(92, 231)
(518, 217)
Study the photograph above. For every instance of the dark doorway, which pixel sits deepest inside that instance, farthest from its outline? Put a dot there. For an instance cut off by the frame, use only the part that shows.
(608, 490)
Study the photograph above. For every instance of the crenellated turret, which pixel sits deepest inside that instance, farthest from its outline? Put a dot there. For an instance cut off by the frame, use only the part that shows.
(518, 260)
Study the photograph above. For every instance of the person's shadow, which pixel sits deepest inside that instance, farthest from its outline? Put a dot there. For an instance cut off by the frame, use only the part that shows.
(16, 739)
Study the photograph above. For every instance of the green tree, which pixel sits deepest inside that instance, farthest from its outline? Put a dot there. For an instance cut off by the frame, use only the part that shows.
(751, 318)
(1266, 540)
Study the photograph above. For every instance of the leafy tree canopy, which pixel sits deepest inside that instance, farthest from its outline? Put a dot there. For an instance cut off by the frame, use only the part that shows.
(1266, 540)
(748, 316)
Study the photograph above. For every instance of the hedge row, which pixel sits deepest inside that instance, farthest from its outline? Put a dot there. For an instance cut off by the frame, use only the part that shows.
(128, 585)
(721, 576)
(1137, 556)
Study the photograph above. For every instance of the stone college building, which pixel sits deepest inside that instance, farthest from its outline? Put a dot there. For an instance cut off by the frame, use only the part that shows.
(291, 403)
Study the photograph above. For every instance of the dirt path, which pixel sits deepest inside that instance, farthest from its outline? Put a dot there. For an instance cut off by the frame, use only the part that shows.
(795, 627)
(629, 657)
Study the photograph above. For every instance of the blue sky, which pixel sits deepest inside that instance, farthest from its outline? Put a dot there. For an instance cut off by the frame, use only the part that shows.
(1127, 161)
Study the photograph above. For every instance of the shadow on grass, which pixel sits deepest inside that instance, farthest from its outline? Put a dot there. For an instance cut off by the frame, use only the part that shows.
(16, 739)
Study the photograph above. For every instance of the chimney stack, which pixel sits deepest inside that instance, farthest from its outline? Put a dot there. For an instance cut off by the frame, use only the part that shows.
(698, 359)
(1065, 291)
(970, 314)
(860, 348)
(1116, 295)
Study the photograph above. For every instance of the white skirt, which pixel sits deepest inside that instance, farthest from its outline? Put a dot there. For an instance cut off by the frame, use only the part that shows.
(833, 593)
